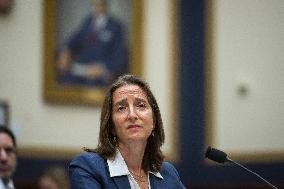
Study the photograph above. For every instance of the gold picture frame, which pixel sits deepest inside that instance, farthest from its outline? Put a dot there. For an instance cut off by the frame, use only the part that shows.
(58, 94)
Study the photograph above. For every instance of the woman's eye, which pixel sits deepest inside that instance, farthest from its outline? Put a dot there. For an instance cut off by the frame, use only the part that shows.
(142, 105)
(121, 108)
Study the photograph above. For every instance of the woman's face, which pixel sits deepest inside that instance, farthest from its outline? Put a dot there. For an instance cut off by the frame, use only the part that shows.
(131, 114)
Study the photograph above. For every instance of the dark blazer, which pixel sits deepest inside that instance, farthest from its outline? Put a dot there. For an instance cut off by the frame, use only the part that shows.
(90, 171)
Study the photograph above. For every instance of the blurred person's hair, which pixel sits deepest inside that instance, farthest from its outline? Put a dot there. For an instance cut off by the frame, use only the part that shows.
(58, 174)
(6, 130)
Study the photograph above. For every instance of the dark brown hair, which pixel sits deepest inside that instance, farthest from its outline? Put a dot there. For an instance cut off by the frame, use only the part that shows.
(153, 156)
(6, 130)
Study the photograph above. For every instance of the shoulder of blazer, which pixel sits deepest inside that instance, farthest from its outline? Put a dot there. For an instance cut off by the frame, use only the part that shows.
(88, 156)
(90, 161)
(169, 169)
(167, 165)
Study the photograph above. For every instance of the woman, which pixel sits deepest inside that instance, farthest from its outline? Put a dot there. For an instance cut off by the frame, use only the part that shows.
(129, 154)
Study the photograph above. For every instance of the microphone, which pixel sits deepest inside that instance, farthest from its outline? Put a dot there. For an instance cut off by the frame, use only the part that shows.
(221, 157)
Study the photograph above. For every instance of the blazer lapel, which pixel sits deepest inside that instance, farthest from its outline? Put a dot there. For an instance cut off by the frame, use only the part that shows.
(122, 182)
(156, 183)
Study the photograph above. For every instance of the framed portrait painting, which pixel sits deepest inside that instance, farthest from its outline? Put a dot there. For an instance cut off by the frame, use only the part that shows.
(87, 45)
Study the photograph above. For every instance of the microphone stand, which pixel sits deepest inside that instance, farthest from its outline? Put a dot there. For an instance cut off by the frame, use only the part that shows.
(257, 175)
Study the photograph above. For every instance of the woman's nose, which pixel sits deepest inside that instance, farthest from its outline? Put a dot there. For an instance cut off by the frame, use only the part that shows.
(132, 114)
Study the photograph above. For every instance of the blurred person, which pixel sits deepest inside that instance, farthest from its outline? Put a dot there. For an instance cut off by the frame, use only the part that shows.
(95, 54)
(8, 158)
(128, 155)
(55, 177)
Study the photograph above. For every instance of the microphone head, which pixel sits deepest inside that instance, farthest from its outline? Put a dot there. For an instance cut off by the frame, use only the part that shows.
(216, 155)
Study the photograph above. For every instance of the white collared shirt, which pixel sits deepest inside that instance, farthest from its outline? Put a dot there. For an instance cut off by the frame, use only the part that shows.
(10, 185)
(100, 22)
(118, 167)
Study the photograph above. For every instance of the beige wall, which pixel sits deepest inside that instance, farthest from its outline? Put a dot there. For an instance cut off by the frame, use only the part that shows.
(249, 46)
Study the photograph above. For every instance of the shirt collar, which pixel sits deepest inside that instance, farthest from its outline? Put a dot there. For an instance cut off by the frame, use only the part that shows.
(118, 167)
(10, 184)
(157, 174)
(100, 21)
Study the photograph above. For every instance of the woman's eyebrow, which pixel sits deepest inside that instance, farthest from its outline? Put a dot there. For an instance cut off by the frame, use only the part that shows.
(140, 99)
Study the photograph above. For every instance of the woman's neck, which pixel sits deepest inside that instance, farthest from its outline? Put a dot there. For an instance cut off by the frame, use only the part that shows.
(133, 155)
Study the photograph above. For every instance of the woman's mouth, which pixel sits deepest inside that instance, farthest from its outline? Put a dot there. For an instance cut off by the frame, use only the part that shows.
(133, 126)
